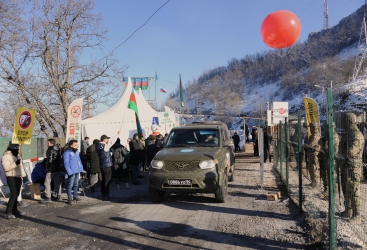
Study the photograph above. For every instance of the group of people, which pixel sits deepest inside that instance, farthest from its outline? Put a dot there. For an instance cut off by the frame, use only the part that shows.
(348, 151)
(103, 160)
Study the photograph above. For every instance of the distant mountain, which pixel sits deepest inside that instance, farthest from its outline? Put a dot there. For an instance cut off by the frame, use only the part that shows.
(247, 85)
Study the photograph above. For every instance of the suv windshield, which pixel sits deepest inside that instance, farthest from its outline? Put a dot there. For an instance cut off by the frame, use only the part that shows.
(193, 137)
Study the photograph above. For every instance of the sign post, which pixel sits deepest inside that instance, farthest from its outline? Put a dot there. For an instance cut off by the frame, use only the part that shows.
(23, 127)
(73, 129)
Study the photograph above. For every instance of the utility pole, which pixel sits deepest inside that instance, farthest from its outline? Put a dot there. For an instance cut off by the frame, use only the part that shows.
(326, 15)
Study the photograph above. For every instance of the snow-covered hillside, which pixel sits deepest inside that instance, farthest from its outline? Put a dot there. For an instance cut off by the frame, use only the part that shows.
(255, 98)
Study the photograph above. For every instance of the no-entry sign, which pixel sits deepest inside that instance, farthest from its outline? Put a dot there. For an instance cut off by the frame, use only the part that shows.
(23, 128)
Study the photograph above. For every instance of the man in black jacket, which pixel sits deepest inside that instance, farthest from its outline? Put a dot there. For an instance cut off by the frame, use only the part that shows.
(136, 158)
(151, 149)
(119, 170)
(255, 140)
(236, 141)
(53, 168)
(95, 170)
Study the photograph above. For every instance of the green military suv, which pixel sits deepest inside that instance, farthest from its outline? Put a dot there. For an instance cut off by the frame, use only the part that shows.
(196, 158)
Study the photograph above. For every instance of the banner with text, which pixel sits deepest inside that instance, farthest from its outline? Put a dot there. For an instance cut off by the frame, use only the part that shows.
(73, 129)
(23, 128)
(312, 113)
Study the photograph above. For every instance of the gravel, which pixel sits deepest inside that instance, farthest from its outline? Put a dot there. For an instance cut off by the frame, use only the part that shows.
(130, 221)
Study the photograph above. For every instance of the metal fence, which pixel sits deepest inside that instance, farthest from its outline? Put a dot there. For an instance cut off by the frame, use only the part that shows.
(325, 173)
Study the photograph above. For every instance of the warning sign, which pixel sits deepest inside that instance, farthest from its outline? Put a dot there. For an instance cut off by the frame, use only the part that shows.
(73, 124)
(25, 119)
(76, 111)
(23, 127)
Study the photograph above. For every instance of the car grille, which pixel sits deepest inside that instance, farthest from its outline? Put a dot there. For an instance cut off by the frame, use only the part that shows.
(180, 166)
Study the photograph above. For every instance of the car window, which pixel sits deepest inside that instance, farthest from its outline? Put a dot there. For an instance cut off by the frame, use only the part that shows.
(193, 137)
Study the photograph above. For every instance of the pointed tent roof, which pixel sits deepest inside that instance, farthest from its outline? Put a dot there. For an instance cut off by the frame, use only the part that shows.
(119, 111)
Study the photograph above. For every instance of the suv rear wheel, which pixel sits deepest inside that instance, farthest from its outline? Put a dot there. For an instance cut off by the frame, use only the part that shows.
(155, 195)
(222, 192)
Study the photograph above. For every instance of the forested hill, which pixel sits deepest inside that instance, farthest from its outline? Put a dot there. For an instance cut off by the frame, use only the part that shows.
(295, 70)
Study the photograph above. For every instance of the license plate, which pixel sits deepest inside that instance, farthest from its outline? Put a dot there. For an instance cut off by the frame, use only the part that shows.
(180, 182)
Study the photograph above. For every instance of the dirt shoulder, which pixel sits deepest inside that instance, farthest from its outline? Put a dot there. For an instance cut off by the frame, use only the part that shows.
(130, 221)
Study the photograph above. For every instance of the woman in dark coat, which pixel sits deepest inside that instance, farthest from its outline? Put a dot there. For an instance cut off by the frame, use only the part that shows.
(95, 171)
(119, 153)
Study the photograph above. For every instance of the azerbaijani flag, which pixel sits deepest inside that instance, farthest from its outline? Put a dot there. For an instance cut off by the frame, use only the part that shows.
(181, 94)
(144, 83)
(138, 83)
(162, 90)
(125, 81)
(133, 105)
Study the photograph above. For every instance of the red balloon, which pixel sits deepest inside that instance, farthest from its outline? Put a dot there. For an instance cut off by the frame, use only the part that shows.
(281, 29)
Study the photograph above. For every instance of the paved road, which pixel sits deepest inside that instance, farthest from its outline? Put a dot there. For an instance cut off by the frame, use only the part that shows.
(131, 221)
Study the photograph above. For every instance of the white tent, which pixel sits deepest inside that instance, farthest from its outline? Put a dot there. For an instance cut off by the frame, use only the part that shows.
(120, 117)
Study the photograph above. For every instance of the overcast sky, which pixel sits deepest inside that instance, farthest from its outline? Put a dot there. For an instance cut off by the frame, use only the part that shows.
(191, 36)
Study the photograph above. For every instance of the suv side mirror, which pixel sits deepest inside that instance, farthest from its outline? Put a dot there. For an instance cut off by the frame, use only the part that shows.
(228, 143)
(160, 144)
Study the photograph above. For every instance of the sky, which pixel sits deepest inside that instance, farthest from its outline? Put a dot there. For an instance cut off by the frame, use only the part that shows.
(188, 37)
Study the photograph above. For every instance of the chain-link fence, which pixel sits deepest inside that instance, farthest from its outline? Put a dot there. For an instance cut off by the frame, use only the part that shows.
(324, 168)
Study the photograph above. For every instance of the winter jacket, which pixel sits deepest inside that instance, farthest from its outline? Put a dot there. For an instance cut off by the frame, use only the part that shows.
(119, 154)
(236, 139)
(151, 151)
(156, 144)
(136, 152)
(10, 167)
(105, 158)
(54, 160)
(72, 162)
(39, 172)
(93, 159)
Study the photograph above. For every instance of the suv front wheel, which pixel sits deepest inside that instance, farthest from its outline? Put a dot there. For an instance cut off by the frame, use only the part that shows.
(222, 192)
(155, 195)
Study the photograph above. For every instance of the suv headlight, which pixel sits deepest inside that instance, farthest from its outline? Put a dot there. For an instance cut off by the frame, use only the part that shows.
(207, 164)
(157, 164)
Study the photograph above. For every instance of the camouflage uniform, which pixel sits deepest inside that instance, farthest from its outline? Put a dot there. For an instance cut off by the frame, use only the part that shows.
(351, 149)
(312, 148)
(323, 156)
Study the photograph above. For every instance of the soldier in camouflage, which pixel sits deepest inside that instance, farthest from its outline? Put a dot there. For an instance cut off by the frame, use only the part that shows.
(312, 148)
(323, 155)
(351, 148)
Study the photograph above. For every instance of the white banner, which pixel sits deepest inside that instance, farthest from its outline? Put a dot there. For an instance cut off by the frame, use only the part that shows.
(73, 129)
(280, 112)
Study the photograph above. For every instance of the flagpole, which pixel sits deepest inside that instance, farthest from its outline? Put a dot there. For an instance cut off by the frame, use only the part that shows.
(155, 86)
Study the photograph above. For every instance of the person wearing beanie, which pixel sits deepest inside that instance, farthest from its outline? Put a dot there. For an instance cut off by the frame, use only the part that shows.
(14, 171)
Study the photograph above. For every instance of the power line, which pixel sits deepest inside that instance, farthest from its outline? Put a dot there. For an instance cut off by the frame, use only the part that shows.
(131, 34)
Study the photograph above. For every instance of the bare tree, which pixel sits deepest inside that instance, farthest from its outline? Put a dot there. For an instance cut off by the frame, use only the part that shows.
(42, 64)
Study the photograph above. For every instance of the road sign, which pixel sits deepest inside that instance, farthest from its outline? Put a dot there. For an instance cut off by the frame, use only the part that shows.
(25, 119)
(23, 127)
(75, 111)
